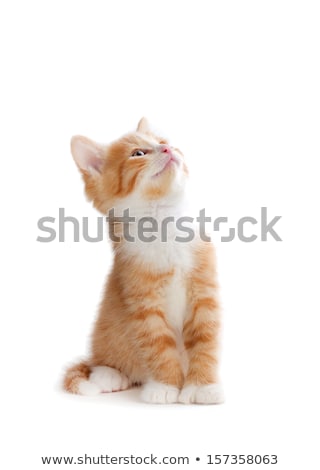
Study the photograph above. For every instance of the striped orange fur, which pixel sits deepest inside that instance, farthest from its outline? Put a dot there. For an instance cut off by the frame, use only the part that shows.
(158, 322)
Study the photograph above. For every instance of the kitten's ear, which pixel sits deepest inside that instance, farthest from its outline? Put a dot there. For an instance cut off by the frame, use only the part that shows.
(88, 155)
(143, 126)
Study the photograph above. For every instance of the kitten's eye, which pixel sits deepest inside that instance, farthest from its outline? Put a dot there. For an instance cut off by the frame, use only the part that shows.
(138, 153)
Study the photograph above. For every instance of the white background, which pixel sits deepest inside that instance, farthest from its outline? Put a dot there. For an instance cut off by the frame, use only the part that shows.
(235, 85)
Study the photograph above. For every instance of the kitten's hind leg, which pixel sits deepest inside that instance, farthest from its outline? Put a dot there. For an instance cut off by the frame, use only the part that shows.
(108, 379)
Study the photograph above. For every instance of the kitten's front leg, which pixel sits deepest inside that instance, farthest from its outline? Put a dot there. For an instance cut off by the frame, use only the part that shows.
(200, 332)
(200, 336)
(158, 351)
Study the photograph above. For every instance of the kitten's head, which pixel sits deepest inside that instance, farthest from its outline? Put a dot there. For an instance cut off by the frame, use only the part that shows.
(137, 167)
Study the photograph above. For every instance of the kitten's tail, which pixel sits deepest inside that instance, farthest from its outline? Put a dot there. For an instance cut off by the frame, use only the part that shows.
(76, 380)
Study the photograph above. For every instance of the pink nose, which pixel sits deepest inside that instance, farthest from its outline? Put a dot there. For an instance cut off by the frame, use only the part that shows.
(165, 149)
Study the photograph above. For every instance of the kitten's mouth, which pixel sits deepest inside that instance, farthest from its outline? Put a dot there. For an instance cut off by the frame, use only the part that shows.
(172, 160)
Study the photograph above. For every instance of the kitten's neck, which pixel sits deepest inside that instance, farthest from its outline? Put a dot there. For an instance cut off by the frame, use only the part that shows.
(161, 210)
(153, 218)
(158, 209)
(153, 238)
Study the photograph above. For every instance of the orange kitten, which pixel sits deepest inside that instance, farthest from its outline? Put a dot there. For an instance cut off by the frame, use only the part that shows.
(158, 321)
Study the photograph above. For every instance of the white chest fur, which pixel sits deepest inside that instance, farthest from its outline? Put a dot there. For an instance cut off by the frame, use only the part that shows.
(176, 299)
(165, 257)
(165, 253)
(176, 310)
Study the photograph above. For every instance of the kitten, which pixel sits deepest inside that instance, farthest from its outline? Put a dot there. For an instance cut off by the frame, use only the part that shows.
(159, 320)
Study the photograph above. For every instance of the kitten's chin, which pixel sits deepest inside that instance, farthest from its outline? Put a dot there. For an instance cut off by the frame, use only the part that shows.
(171, 165)
(168, 183)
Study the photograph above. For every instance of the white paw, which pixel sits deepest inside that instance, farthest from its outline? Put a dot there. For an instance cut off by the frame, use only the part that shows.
(87, 388)
(205, 394)
(156, 392)
(108, 379)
